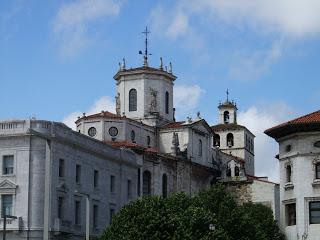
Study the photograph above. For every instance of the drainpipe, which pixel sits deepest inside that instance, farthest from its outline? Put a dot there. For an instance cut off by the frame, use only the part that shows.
(47, 192)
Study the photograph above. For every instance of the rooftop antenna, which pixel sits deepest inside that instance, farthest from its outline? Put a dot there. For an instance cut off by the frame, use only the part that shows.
(146, 54)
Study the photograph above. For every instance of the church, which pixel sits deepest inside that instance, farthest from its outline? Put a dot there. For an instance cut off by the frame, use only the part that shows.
(55, 180)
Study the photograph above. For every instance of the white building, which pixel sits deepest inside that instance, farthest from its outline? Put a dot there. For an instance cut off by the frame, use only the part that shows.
(299, 158)
(47, 170)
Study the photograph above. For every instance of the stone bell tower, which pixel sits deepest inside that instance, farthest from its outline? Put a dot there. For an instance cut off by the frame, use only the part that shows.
(232, 138)
(145, 93)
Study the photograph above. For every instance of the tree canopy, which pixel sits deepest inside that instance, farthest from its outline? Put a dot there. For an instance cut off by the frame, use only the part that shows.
(212, 214)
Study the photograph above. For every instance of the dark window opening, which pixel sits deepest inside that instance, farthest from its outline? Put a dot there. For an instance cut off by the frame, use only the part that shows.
(132, 100)
(61, 167)
(291, 214)
(237, 171)
(146, 183)
(164, 186)
(314, 212)
(289, 173)
(112, 183)
(95, 178)
(167, 103)
(226, 117)
(200, 148)
(133, 136)
(230, 142)
(216, 140)
(318, 170)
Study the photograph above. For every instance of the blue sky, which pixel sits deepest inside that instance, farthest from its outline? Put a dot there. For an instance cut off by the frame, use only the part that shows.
(58, 58)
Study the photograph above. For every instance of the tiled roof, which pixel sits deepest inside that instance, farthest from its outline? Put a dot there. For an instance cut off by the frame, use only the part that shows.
(104, 114)
(174, 125)
(261, 179)
(306, 123)
(237, 159)
(229, 126)
(109, 115)
(131, 145)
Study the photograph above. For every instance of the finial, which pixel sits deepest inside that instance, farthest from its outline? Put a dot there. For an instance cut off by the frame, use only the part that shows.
(166, 69)
(146, 54)
(124, 64)
(161, 64)
(84, 114)
(198, 115)
(170, 67)
(120, 68)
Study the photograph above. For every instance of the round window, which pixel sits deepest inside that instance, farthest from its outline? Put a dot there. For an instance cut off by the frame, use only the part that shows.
(113, 131)
(133, 136)
(288, 148)
(317, 144)
(92, 131)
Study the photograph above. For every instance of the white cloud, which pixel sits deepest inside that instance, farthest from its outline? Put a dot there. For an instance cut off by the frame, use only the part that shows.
(277, 23)
(105, 103)
(294, 18)
(71, 24)
(247, 65)
(257, 120)
(186, 98)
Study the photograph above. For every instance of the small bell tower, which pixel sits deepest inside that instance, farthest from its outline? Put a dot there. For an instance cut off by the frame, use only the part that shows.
(228, 111)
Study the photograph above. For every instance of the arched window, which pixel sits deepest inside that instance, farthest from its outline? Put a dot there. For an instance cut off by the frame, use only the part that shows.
(167, 103)
(228, 172)
(132, 100)
(146, 183)
(229, 139)
(289, 173)
(236, 171)
(216, 140)
(200, 147)
(148, 141)
(226, 117)
(164, 185)
(133, 136)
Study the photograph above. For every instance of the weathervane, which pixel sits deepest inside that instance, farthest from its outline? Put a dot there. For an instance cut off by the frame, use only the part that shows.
(146, 54)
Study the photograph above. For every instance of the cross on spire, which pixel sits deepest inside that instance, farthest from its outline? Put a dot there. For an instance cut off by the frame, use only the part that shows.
(145, 57)
(227, 95)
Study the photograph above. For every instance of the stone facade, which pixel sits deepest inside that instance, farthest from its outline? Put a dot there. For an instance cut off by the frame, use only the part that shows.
(45, 192)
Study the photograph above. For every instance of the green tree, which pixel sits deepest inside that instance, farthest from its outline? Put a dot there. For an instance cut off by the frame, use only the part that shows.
(180, 217)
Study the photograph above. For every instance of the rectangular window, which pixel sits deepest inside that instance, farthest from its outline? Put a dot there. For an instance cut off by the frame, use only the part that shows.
(291, 214)
(7, 165)
(78, 173)
(96, 178)
(112, 183)
(139, 181)
(318, 171)
(61, 167)
(77, 213)
(95, 216)
(7, 202)
(129, 191)
(60, 207)
(314, 212)
(112, 212)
